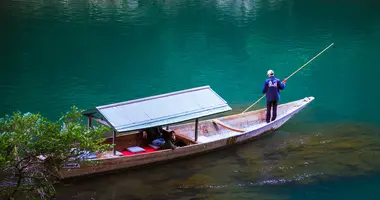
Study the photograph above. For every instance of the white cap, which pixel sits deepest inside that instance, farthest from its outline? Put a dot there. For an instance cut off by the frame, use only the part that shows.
(270, 72)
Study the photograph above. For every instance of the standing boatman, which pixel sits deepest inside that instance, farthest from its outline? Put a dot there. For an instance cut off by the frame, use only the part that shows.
(271, 88)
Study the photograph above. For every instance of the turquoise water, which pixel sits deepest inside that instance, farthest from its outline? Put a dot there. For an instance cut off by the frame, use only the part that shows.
(55, 54)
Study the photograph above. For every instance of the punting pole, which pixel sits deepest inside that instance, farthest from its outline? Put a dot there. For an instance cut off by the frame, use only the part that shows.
(292, 74)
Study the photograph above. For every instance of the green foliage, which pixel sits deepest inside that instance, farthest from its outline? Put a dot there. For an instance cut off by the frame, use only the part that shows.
(33, 150)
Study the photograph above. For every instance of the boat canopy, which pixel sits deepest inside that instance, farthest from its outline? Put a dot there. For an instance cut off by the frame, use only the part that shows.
(160, 110)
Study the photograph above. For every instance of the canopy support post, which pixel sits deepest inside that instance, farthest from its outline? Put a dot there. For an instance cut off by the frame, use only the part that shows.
(113, 142)
(196, 129)
(89, 122)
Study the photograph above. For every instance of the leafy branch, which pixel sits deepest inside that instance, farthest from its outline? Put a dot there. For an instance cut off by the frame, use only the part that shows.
(33, 150)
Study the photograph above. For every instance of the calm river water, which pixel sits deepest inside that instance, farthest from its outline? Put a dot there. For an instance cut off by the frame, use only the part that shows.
(55, 54)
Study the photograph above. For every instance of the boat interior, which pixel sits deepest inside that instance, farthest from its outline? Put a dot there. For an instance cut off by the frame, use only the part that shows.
(208, 130)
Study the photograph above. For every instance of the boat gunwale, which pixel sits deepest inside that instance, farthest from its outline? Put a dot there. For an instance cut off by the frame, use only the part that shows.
(87, 171)
(310, 99)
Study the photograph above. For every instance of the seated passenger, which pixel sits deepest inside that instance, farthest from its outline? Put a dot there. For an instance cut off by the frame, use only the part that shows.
(151, 134)
(169, 138)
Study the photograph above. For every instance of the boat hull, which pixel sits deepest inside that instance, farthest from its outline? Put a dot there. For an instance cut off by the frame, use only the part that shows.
(125, 162)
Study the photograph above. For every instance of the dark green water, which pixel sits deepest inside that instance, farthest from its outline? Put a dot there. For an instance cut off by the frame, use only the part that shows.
(55, 54)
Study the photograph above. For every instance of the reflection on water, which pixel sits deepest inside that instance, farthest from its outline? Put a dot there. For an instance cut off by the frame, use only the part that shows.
(312, 153)
(243, 9)
(239, 8)
(246, 9)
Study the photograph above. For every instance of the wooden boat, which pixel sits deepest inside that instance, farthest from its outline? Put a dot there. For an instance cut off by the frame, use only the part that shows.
(199, 136)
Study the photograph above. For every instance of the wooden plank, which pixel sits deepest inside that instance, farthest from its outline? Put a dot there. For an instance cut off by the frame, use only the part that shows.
(216, 121)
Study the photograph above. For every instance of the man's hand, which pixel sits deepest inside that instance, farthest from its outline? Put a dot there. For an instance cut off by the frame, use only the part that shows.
(284, 81)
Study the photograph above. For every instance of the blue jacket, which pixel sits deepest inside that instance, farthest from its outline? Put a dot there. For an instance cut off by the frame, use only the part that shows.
(272, 87)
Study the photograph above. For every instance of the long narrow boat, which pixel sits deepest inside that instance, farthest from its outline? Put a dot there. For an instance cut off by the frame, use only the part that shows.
(173, 111)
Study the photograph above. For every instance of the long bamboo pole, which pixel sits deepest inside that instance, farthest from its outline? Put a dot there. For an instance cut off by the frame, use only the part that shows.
(292, 74)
